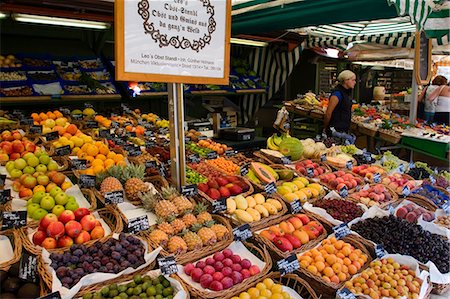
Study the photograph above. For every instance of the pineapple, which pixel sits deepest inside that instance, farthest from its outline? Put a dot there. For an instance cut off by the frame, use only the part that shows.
(220, 230)
(165, 227)
(202, 216)
(114, 171)
(169, 192)
(182, 203)
(189, 219)
(133, 176)
(162, 208)
(207, 235)
(177, 245)
(178, 225)
(192, 240)
(159, 237)
(110, 184)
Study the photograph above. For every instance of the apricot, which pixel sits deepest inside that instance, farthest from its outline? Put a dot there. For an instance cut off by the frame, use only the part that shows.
(320, 266)
(334, 279)
(328, 271)
(312, 269)
(352, 269)
(331, 259)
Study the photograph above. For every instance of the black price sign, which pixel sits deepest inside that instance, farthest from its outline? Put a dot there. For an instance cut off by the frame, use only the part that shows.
(194, 158)
(63, 150)
(162, 170)
(91, 124)
(151, 164)
(5, 195)
(148, 133)
(190, 190)
(88, 105)
(64, 111)
(167, 265)
(138, 224)
(87, 181)
(2, 179)
(27, 121)
(310, 172)
(54, 295)
(288, 265)
(422, 59)
(114, 124)
(163, 131)
(343, 192)
(114, 197)
(368, 156)
(323, 158)
(242, 232)
(36, 129)
(52, 136)
(230, 153)
(401, 168)
(244, 169)
(379, 251)
(295, 206)
(345, 294)
(131, 134)
(135, 151)
(202, 137)
(349, 165)
(377, 178)
(406, 191)
(211, 155)
(77, 116)
(219, 206)
(341, 230)
(286, 160)
(270, 188)
(14, 219)
(28, 268)
(80, 164)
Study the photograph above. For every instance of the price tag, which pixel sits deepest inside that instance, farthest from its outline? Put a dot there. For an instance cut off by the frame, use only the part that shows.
(310, 172)
(288, 265)
(244, 169)
(349, 165)
(270, 188)
(63, 150)
(295, 206)
(242, 232)
(80, 164)
(138, 224)
(343, 192)
(211, 155)
(54, 295)
(341, 230)
(432, 180)
(168, 265)
(150, 143)
(163, 131)
(151, 164)
(91, 124)
(391, 209)
(5, 195)
(2, 179)
(194, 158)
(345, 294)
(377, 178)
(406, 191)
(14, 219)
(87, 181)
(64, 111)
(77, 116)
(368, 156)
(323, 158)
(36, 129)
(28, 268)
(219, 205)
(148, 133)
(131, 134)
(52, 136)
(401, 168)
(135, 151)
(411, 165)
(379, 251)
(88, 105)
(187, 139)
(202, 137)
(104, 134)
(230, 153)
(114, 124)
(162, 170)
(446, 207)
(190, 190)
(27, 121)
(114, 197)
(286, 160)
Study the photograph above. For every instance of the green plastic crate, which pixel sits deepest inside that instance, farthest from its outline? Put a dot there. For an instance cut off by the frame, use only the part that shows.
(434, 148)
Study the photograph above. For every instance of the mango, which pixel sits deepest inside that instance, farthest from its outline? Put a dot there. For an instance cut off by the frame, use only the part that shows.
(262, 210)
(231, 205)
(275, 203)
(254, 213)
(251, 202)
(243, 216)
(270, 208)
(259, 198)
(241, 203)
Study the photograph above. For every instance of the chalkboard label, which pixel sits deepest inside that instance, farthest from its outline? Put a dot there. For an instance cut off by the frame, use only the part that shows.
(114, 197)
(379, 251)
(77, 116)
(270, 188)
(135, 151)
(54, 295)
(163, 131)
(2, 179)
(114, 124)
(87, 181)
(244, 169)
(63, 150)
(406, 191)
(168, 265)
(104, 134)
(148, 133)
(286, 160)
(28, 268)
(64, 111)
(295, 206)
(323, 158)
(194, 158)
(345, 294)
(190, 190)
(5, 195)
(202, 137)
(91, 124)
(211, 155)
(377, 178)
(242, 232)
(36, 129)
(310, 172)
(343, 192)
(79, 164)
(349, 165)
(88, 105)
(424, 68)
(401, 168)
(219, 206)
(341, 230)
(52, 136)
(162, 170)
(368, 156)
(230, 153)
(151, 164)
(14, 219)
(288, 265)
(138, 224)
(27, 121)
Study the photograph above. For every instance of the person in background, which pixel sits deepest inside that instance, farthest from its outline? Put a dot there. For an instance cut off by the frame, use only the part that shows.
(429, 97)
(339, 111)
(443, 106)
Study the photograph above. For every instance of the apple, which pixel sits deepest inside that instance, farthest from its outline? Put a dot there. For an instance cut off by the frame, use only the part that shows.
(16, 185)
(83, 237)
(38, 196)
(73, 228)
(44, 159)
(80, 213)
(16, 173)
(53, 166)
(304, 218)
(58, 178)
(30, 182)
(49, 243)
(41, 168)
(65, 241)
(49, 218)
(72, 205)
(58, 210)
(32, 207)
(16, 135)
(88, 222)
(55, 229)
(39, 237)
(28, 170)
(25, 192)
(66, 216)
(4, 157)
(55, 191)
(18, 146)
(43, 180)
(97, 232)
(9, 166)
(47, 202)
(7, 147)
(30, 147)
(14, 156)
(33, 161)
(61, 198)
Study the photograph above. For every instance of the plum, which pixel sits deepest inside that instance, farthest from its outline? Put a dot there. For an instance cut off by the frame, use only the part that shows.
(206, 280)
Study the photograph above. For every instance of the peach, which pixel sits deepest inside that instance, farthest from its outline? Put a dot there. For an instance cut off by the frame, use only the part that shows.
(73, 228)
(55, 229)
(97, 233)
(49, 243)
(83, 237)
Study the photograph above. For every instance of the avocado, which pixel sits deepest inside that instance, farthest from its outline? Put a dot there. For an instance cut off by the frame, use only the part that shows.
(29, 290)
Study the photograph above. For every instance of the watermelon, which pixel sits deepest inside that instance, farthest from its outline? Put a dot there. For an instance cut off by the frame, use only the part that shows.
(291, 147)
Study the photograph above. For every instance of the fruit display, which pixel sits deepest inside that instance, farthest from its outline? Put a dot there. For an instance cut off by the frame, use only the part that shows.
(260, 173)
(288, 146)
(333, 261)
(313, 149)
(194, 148)
(225, 165)
(368, 171)
(304, 168)
(293, 232)
(390, 162)
(12, 286)
(412, 212)
(406, 238)
(7, 61)
(377, 194)
(99, 157)
(443, 221)
(169, 204)
(13, 150)
(349, 149)
(342, 210)
(363, 159)
(339, 179)
(112, 256)
(253, 208)
(300, 189)
(438, 197)
(214, 146)
(386, 278)
(70, 227)
(398, 181)
(55, 122)
(193, 177)
(265, 289)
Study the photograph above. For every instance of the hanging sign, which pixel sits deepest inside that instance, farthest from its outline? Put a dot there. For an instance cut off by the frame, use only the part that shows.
(183, 41)
(422, 59)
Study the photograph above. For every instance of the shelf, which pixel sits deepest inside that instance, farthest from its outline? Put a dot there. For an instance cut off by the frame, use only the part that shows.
(33, 99)
(247, 91)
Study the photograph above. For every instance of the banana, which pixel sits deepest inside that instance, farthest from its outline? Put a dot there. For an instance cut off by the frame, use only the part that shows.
(271, 145)
(276, 139)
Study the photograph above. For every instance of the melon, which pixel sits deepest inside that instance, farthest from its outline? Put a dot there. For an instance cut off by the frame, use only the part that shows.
(291, 147)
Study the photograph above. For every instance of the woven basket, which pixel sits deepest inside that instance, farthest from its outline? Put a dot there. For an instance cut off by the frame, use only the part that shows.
(316, 113)
(421, 201)
(390, 136)
(240, 159)
(190, 256)
(323, 164)
(349, 190)
(110, 216)
(394, 197)
(281, 254)
(16, 242)
(367, 131)
(245, 194)
(269, 160)
(261, 253)
(328, 289)
(292, 281)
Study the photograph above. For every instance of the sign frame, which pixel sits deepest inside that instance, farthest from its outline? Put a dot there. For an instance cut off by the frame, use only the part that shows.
(419, 53)
(119, 45)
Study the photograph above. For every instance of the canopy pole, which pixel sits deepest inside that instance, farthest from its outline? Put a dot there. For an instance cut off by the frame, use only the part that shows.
(413, 105)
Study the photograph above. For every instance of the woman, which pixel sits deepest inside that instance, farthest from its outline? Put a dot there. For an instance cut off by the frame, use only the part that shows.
(443, 106)
(429, 97)
(339, 111)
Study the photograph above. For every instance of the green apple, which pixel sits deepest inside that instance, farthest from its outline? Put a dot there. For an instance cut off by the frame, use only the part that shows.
(27, 156)
(55, 190)
(16, 173)
(44, 159)
(39, 214)
(47, 202)
(38, 196)
(41, 168)
(61, 198)
(29, 170)
(39, 153)
(71, 198)
(72, 205)
(9, 166)
(52, 166)
(31, 208)
(32, 161)
(20, 163)
(58, 209)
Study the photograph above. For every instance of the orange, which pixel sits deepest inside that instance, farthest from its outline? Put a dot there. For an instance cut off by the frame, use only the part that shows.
(98, 144)
(92, 150)
(108, 163)
(319, 258)
(100, 157)
(331, 259)
(339, 244)
(337, 268)
(111, 155)
(326, 279)
(84, 147)
(35, 116)
(89, 171)
(121, 163)
(304, 264)
(39, 188)
(97, 162)
(51, 115)
(98, 168)
(43, 116)
(333, 240)
(81, 154)
(353, 256)
(346, 250)
(357, 265)
(129, 128)
(347, 261)
(118, 157)
(103, 149)
(57, 114)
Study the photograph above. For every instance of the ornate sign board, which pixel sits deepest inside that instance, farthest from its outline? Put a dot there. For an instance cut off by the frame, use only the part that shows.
(173, 41)
(422, 59)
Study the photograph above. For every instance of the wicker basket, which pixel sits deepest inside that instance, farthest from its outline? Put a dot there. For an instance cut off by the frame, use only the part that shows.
(421, 201)
(269, 160)
(240, 159)
(365, 130)
(271, 246)
(349, 190)
(394, 197)
(245, 194)
(390, 136)
(190, 256)
(16, 242)
(261, 253)
(110, 216)
(316, 113)
(327, 167)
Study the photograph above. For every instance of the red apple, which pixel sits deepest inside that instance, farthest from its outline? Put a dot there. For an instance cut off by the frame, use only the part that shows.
(18, 146)
(49, 243)
(73, 228)
(80, 213)
(16, 135)
(88, 222)
(39, 237)
(83, 237)
(30, 147)
(65, 241)
(55, 229)
(49, 218)
(97, 232)
(25, 192)
(304, 218)
(14, 156)
(66, 216)
(7, 147)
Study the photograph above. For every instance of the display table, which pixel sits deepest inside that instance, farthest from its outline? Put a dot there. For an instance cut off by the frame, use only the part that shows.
(438, 150)
(256, 143)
